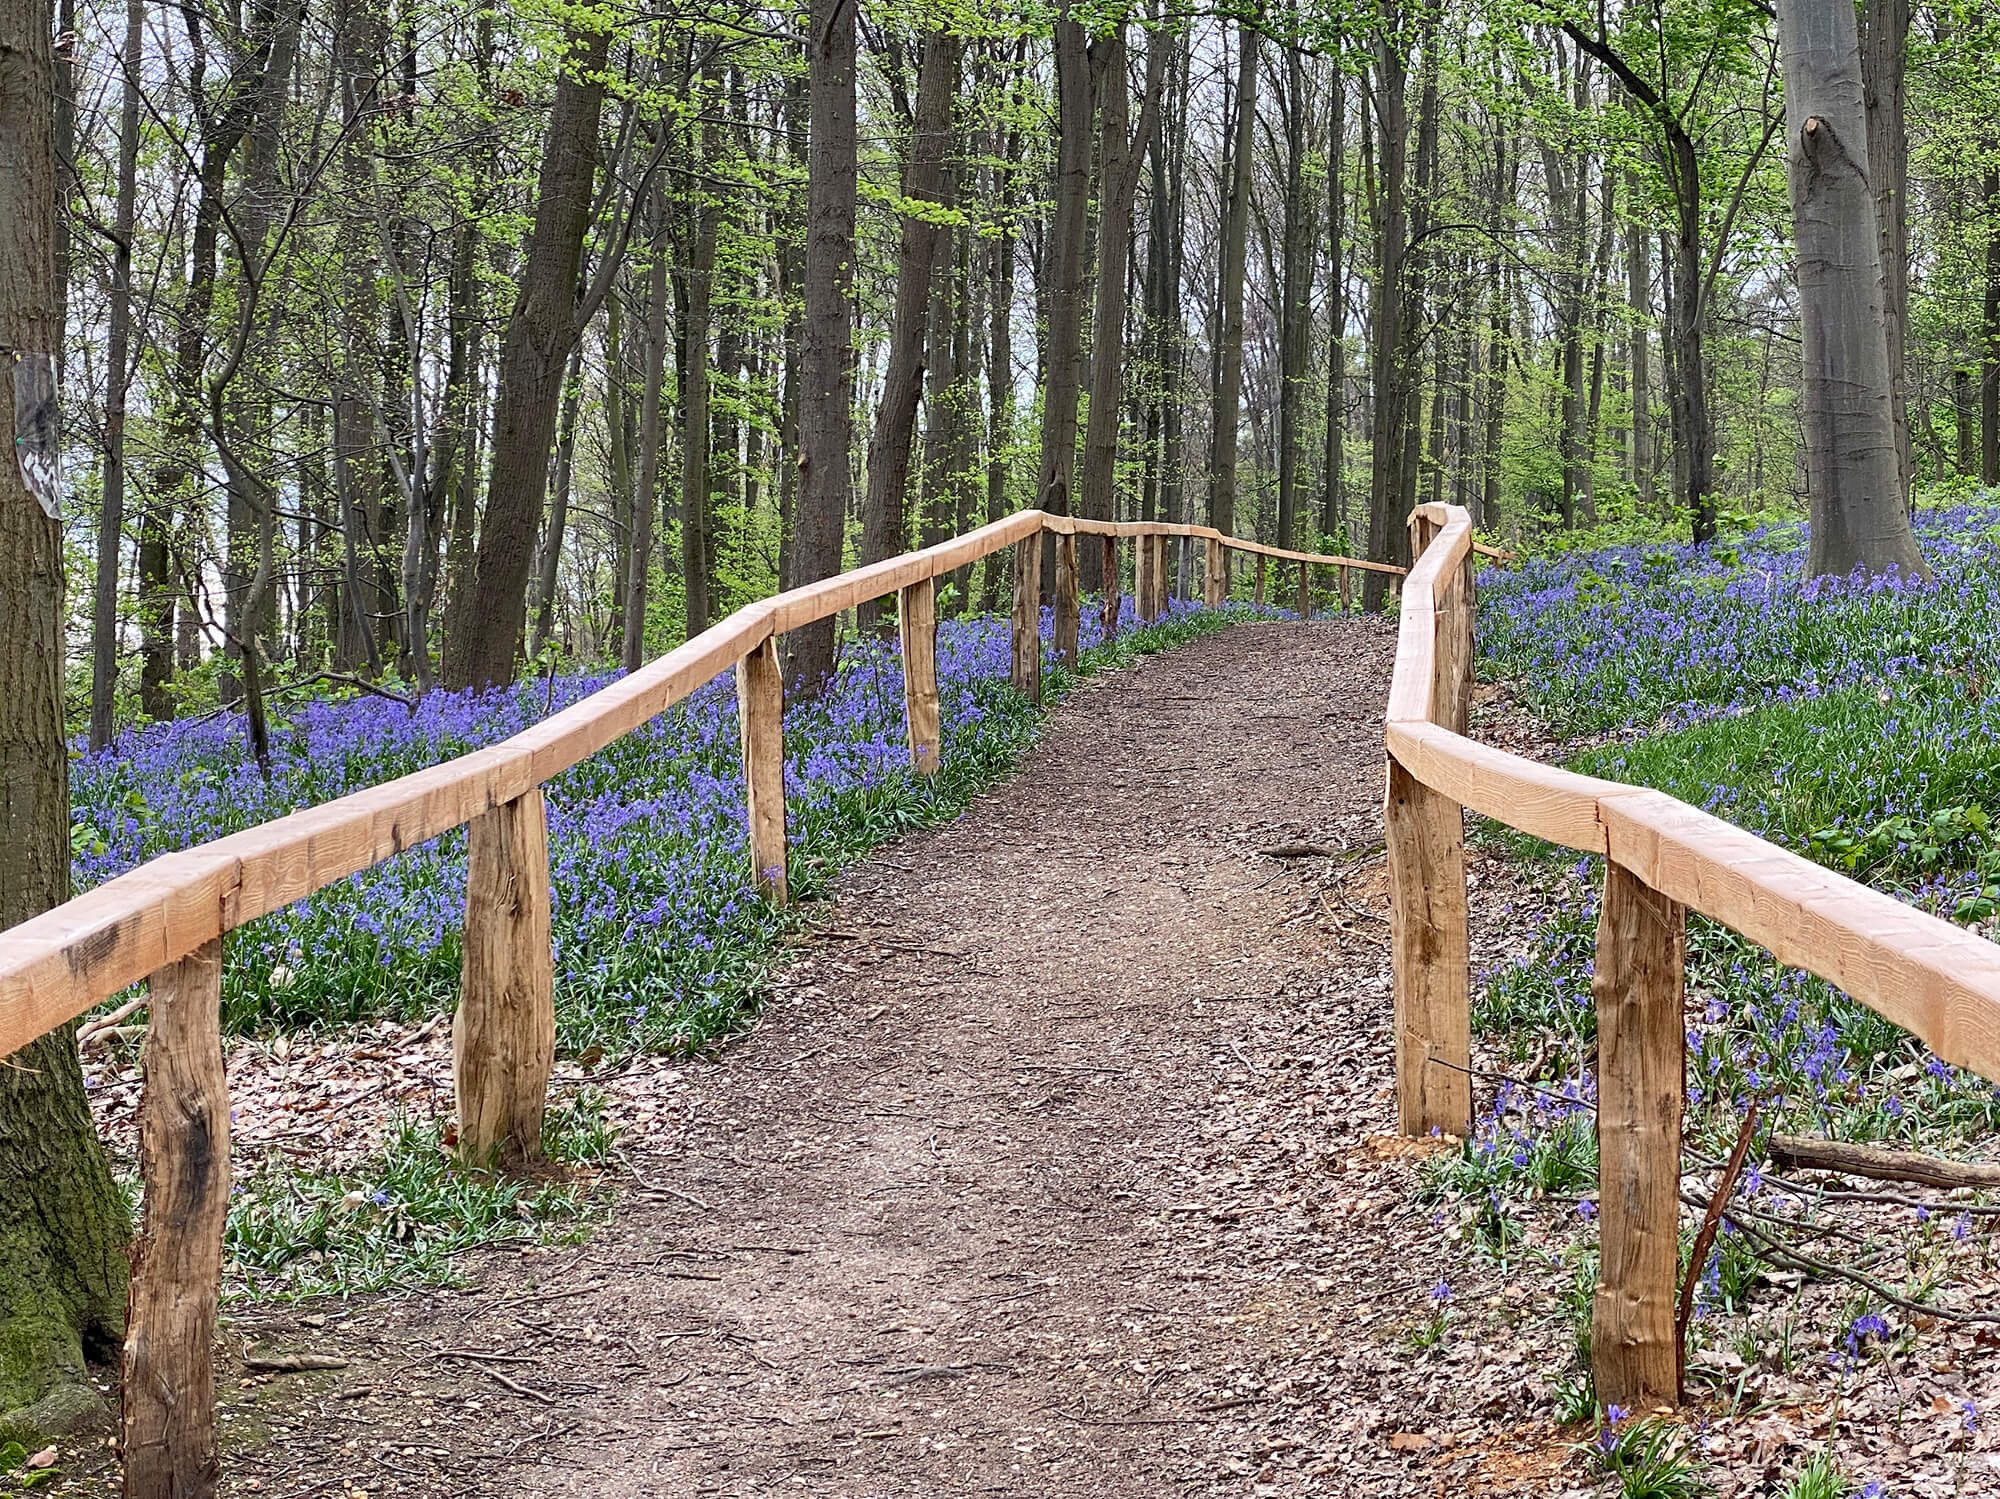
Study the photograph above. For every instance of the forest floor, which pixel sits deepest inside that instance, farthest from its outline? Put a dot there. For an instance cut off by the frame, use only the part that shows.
(1062, 1161)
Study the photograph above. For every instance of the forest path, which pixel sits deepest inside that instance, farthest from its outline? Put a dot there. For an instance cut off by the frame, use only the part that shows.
(1061, 1164)
(983, 1206)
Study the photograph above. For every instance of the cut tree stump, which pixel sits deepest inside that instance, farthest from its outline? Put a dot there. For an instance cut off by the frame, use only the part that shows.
(504, 1034)
(169, 1387)
(1641, 1090)
(1430, 935)
(916, 616)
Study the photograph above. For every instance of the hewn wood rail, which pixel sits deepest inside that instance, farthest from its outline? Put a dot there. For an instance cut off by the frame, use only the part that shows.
(164, 921)
(1663, 859)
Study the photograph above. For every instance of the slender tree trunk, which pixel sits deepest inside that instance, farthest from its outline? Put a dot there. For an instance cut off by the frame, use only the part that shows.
(118, 366)
(1062, 277)
(1119, 160)
(1235, 244)
(535, 350)
(1639, 296)
(651, 422)
(1390, 388)
(695, 378)
(885, 525)
(1295, 305)
(1858, 516)
(1333, 503)
(63, 1226)
(548, 563)
(826, 368)
(1989, 369)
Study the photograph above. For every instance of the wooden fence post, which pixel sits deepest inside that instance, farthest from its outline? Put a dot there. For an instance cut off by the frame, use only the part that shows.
(1214, 574)
(1112, 584)
(504, 1035)
(1430, 938)
(1261, 561)
(169, 1387)
(1641, 1090)
(760, 724)
(1069, 608)
(1027, 636)
(1346, 587)
(1163, 577)
(916, 613)
(1142, 578)
(1305, 591)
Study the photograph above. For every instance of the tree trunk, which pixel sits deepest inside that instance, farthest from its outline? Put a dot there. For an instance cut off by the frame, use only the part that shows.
(540, 332)
(1388, 381)
(826, 370)
(118, 362)
(999, 355)
(63, 1226)
(1119, 159)
(646, 497)
(1854, 489)
(1295, 305)
(1989, 370)
(1235, 244)
(1885, 35)
(885, 523)
(1639, 296)
(1333, 502)
(1062, 276)
(548, 563)
(695, 376)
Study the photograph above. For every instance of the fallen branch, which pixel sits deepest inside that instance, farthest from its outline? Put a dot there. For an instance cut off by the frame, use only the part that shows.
(101, 1028)
(1724, 1190)
(291, 1363)
(1879, 1163)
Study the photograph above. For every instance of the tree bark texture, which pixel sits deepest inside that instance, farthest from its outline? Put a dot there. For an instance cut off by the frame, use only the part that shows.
(826, 367)
(63, 1227)
(540, 332)
(1854, 485)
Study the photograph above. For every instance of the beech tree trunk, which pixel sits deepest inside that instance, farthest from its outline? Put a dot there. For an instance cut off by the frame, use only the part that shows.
(1885, 35)
(540, 332)
(63, 1226)
(1333, 501)
(646, 496)
(1295, 304)
(826, 367)
(1235, 244)
(885, 521)
(1854, 486)
(695, 379)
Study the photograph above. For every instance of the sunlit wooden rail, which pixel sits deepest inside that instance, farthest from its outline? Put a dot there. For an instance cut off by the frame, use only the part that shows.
(163, 923)
(1663, 859)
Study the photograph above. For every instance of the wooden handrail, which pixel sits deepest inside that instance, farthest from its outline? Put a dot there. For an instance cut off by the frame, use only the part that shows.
(164, 921)
(1664, 858)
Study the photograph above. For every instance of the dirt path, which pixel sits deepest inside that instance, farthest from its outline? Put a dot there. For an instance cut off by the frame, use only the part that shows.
(1050, 1171)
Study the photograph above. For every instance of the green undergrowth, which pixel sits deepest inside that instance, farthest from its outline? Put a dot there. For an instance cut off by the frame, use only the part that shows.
(398, 1218)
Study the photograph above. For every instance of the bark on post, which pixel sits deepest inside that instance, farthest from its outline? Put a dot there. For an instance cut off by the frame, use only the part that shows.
(1854, 482)
(1027, 637)
(1215, 575)
(760, 722)
(1641, 1063)
(1111, 589)
(1068, 607)
(917, 614)
(504, 1035)
(1429, 937)
(169, 1384)
(1345, 575)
